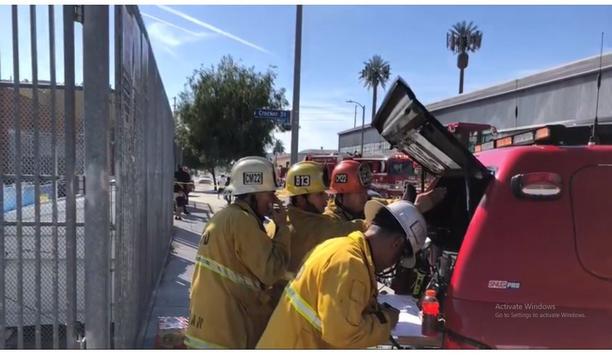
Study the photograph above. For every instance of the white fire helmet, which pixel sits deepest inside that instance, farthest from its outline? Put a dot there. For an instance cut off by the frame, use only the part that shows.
(252, 174)
(412, 222)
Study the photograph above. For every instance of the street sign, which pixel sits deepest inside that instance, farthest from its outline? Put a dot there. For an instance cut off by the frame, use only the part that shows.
(283, 118)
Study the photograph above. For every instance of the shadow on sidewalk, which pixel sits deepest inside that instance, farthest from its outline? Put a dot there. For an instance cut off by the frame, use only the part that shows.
(172, 298)
(206, 211)
(172, 295)
(187, 238)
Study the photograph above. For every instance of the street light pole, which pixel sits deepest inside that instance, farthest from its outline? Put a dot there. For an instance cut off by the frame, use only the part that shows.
(362, 120)
(362, 127)
(295, 115)
(355, 118)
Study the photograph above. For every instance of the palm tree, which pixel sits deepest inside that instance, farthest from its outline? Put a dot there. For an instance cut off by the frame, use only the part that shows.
(376, 72)
(279, 147)
(462, 38)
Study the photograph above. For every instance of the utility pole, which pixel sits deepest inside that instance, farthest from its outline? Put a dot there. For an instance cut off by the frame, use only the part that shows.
(295, 114)
(362, 119)
(362, 127)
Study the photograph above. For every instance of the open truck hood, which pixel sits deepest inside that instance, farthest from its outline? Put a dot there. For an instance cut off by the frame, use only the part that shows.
(407, 125)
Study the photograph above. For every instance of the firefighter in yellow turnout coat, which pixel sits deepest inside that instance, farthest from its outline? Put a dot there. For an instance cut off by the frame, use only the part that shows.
(306, 186)
(237, 262)
(332, 301)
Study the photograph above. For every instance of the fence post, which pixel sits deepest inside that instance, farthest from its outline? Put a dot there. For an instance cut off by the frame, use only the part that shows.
(70, 175)
(18, 167)
(97, 217)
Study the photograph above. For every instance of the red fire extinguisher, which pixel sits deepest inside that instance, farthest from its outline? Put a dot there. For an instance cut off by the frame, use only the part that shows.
(431, 311)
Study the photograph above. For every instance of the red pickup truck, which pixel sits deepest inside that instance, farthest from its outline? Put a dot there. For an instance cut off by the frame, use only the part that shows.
(520, 246)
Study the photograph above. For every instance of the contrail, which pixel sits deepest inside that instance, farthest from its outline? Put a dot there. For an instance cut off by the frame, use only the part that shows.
(197, 34)
(212, 28)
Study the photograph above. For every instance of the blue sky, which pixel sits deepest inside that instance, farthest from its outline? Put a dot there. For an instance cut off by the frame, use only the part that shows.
(517, 41)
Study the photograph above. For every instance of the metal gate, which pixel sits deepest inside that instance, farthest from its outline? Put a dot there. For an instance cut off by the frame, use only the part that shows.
(86, 173)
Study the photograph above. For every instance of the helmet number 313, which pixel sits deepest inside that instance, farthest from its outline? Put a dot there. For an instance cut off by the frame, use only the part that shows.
(302, 180)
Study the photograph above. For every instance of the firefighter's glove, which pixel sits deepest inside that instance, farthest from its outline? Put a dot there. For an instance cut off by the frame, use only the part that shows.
(428, 200)
(391, 314)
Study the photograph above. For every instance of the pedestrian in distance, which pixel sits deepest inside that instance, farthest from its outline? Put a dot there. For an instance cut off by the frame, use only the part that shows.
(221, 186)
(227, 194)
(179, 201)
(183, 177)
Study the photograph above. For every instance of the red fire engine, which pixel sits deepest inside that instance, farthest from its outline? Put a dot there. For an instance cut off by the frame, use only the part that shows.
(329, 161)
(390, 174)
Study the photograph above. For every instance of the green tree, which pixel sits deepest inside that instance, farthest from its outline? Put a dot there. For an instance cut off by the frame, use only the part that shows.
(462, 38)
(216, 111)
(376, 72)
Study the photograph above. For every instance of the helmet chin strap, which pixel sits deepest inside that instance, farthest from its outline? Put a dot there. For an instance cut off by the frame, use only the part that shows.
(389, 272)
(393, 270)
(310, 207)
(352, 215)
(405, 262)
(252, 202)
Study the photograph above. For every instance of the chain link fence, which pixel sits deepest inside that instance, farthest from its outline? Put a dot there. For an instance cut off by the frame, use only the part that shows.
(54, 201)
(145, 171)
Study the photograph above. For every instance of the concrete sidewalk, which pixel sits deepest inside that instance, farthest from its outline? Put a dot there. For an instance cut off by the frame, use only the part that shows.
(172, 294)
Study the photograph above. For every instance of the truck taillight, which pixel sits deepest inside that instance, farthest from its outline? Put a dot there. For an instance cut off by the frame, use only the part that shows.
(455, 341)
(540, 185)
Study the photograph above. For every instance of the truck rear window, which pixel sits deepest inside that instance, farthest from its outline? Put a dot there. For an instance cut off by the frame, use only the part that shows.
(401, 168)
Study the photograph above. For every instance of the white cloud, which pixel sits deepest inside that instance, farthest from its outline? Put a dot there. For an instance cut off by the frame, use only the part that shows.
(168, 36)
(157, 19)
(169, 51)
(212, 28)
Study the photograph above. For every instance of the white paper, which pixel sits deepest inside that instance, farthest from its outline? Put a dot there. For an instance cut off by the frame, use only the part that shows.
(409, 324)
